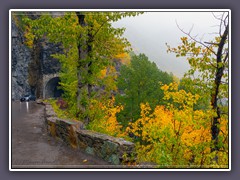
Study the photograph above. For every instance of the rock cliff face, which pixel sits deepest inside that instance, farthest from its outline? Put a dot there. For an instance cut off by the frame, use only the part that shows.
(49, 64)
(21, 56)
(29, 65)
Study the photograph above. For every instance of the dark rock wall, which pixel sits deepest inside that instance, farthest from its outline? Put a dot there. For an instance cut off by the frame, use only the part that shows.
(50, 65)
(21, 56)
(35, 76)
(29, 65)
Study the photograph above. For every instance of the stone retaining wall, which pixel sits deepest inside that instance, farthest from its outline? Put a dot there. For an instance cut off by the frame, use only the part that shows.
(114, 150)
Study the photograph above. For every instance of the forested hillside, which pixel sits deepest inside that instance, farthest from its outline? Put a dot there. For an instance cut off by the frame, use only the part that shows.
(175, 123)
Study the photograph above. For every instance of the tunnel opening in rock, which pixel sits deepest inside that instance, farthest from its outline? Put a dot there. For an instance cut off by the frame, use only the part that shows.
(52, 89)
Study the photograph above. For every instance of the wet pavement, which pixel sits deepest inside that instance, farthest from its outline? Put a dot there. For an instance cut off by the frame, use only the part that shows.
(32, 147)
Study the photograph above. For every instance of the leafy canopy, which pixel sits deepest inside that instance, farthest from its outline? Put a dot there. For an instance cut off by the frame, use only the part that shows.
(139, 82)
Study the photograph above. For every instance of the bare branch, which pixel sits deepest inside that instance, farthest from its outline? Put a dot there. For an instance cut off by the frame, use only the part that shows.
(194, 39)
(223, 21)
(226, 57)
(201, 39)
(211, 43)
(191, 29)
(212, 65)
(213, 33)
(221, 45)
(218, 17)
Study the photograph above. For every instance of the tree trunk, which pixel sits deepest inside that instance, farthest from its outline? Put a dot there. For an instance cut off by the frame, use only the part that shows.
(83, 71)
(218, 77)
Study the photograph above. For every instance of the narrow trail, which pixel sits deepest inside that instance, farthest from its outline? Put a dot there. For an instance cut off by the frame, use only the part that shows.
(32, 147)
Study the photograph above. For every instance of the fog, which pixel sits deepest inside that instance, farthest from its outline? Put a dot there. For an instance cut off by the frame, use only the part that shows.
(148, 33)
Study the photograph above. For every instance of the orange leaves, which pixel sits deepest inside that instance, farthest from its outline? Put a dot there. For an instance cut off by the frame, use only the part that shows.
(223, 126)
(165, 87)
(175, 135)
(180, 97)
(103, 73)
(124, 58)
(193, 136)
(172, 130)
(111, 124)
(145, 108)
(29, 36)
(184, 40)
(107, 122)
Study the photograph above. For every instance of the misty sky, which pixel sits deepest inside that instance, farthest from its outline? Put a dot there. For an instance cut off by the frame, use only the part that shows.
(148, 33)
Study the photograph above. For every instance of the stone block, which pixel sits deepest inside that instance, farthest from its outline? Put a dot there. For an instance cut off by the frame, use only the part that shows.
(114, 159)
(72, 137)
(112, 149)
(109, 148)
(90, 150)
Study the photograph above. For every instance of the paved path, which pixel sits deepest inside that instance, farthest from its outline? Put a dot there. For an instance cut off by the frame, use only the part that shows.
(32, 147)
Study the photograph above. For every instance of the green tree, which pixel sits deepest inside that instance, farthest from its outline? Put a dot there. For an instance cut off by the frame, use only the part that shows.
(209, 73)
(187, 84)
(139, 83)
(89, 42)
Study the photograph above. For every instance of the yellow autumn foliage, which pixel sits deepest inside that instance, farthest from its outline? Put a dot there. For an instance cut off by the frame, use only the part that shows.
(124, 58)
(106, 121)
(29, 37)
(178, 136)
